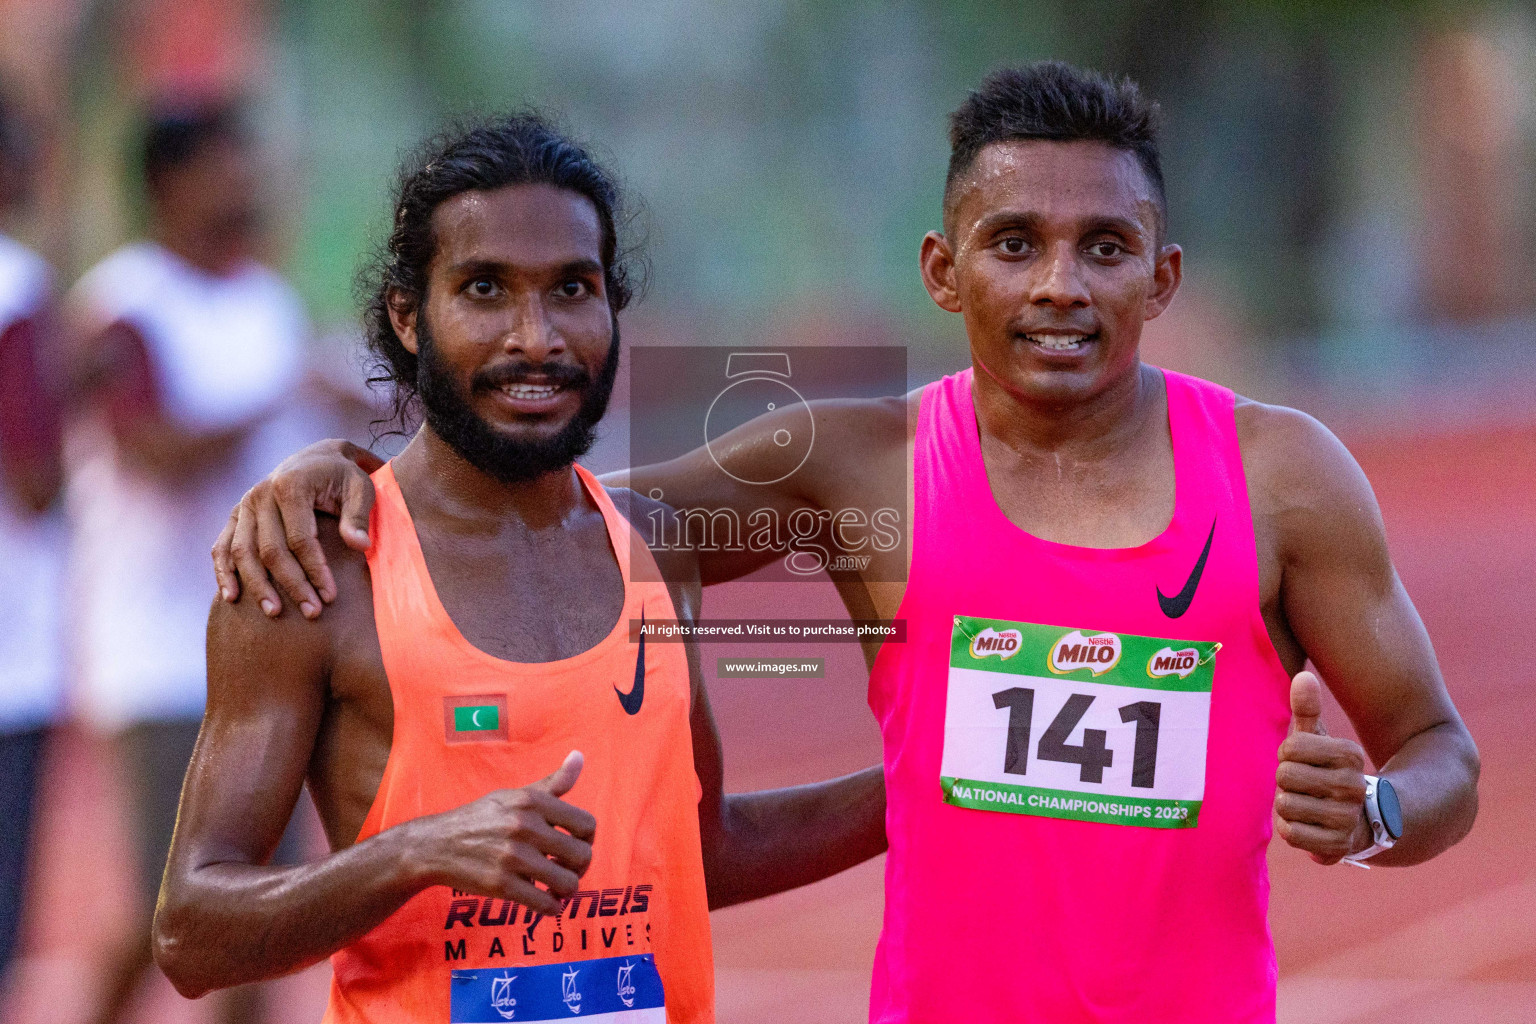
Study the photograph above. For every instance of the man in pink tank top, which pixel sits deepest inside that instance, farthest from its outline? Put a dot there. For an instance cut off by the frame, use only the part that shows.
(1115, 578)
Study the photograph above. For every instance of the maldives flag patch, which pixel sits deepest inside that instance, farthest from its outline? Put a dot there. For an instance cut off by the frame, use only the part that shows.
(474, 717)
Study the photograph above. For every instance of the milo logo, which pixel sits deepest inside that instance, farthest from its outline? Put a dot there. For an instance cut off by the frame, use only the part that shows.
(1098, 653)
(990, 642)
(1169, 662)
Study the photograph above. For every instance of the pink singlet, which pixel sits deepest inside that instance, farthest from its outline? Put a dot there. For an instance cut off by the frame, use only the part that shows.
(1080, 751)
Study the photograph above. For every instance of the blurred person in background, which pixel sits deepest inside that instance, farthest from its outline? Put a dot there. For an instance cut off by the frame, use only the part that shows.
(189, 352)
(31, 530)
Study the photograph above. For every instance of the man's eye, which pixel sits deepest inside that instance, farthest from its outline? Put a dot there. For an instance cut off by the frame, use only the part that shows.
(1106, 250)
(1013, 246)
(573, 290)
(482, 287)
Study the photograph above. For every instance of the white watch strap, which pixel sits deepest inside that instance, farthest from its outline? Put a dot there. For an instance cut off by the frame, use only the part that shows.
(1382, 838)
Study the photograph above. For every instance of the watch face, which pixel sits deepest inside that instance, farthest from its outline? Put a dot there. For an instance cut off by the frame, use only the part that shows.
(1391, 810)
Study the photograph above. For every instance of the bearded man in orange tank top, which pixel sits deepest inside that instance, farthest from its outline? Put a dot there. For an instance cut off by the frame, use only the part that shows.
(441, 712)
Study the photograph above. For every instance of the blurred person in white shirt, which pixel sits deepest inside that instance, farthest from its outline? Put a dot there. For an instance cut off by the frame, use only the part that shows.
(31, 530)
(191, 354)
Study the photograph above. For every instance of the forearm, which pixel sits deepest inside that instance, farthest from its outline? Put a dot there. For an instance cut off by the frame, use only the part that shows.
(714, 506)
(773, 840)
(1435, 777)
(224, 924)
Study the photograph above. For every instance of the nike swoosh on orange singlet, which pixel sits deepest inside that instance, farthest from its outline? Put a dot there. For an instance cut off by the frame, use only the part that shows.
(631, 701)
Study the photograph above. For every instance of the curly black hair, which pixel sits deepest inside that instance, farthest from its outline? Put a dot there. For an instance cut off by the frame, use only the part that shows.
(524, 148)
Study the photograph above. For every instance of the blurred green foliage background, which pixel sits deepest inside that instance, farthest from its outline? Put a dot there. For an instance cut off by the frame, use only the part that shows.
(1341, 174)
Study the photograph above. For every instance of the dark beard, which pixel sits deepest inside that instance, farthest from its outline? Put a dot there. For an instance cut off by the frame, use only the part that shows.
(511, 460)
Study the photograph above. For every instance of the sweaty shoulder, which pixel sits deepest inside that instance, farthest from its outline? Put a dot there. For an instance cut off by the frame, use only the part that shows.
(349, 566)
(1302, 481)
(252, 657)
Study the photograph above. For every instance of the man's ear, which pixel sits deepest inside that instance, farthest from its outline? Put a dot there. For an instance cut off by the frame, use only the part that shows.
(1166, 276)
(938, 266)
(402, 308)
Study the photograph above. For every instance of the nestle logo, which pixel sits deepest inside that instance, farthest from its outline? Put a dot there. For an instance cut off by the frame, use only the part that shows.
(1098, 653)
(1169, 662)
(992, 643)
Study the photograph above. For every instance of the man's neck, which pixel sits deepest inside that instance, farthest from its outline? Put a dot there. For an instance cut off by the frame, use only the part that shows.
(1085, 430)
(458, 496)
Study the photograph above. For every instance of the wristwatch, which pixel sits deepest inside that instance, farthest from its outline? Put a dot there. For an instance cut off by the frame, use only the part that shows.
(1385, 816)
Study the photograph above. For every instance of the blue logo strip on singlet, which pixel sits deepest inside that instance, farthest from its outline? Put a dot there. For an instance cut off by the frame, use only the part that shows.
(624, 987)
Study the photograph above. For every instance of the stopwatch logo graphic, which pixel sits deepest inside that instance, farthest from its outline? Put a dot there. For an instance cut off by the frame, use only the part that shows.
(760, 385)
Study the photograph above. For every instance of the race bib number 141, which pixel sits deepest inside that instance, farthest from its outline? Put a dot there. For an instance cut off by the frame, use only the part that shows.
(1076, 723)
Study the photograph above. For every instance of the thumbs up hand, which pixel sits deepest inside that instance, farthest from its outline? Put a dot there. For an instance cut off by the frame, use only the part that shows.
(526, 845)
(1321, 804)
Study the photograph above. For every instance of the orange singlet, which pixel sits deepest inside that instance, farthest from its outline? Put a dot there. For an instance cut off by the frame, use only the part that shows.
(636, 937)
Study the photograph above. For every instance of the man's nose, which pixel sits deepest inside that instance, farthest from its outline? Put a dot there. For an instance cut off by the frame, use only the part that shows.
(531, 335)
(1058, 279)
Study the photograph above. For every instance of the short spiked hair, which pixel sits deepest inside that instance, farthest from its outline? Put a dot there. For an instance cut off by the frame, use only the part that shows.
(1054, 101)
